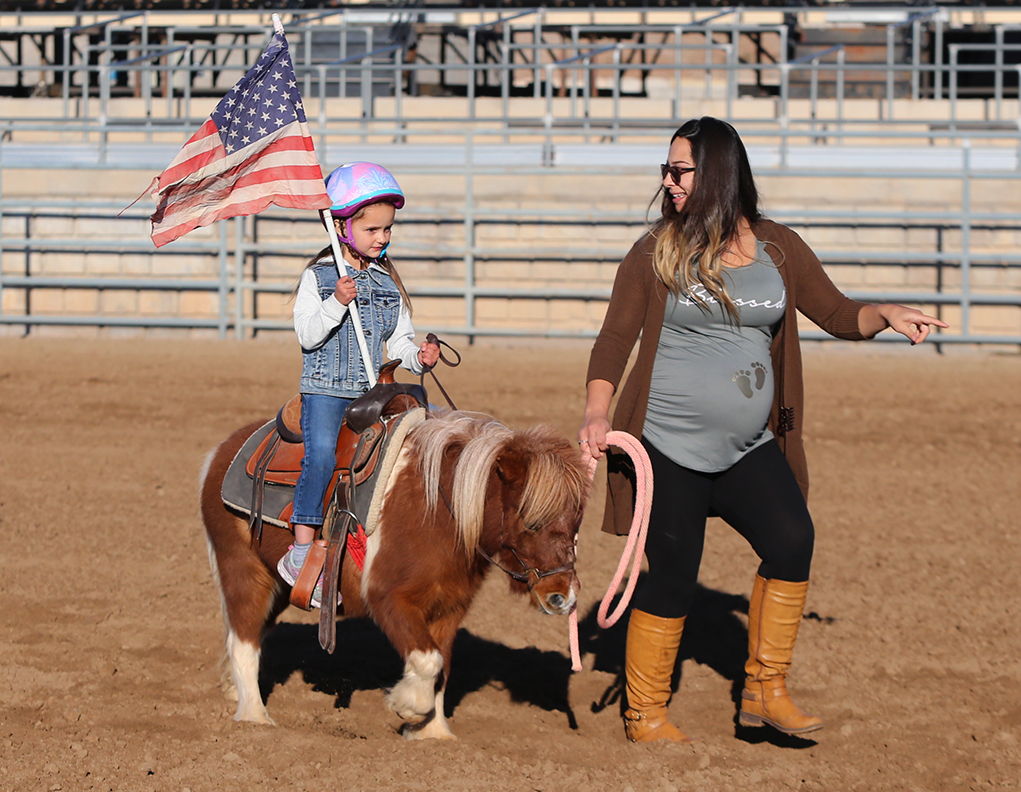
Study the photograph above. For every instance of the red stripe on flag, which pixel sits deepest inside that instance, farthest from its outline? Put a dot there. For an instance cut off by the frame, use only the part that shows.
(163, 237)
(288, 141)
(197, 153)
(282, 174)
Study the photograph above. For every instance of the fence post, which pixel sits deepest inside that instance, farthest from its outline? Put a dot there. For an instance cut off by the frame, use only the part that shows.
(785, 78)
(86, 90)
(469, 234)
(239, 293)
(548, 118)
(889, 72)
(470, 87)
(506, 77)
(307, 36)
(1018, 164)
(998, 74)
(536, 38)
(398, 92)
(732, 64)
(966, 236)
(617, 76)
(239, 255)
(366, 64)
(678, 70)
(321, 69)
(66, 87)
(952, 79)
(937, 81)
(840, 93)
(708, 39)
(813, 95)
(916, 57)
(187, 82)
(586, 97)
(104, 98)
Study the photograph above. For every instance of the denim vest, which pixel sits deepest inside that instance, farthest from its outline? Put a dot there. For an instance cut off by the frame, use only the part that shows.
(336, 368)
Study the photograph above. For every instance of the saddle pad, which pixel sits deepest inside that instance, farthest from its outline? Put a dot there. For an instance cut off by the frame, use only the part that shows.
(278, 498)
(237, 484)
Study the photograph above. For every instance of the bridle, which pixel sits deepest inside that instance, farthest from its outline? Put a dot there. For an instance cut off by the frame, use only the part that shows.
(530, 577)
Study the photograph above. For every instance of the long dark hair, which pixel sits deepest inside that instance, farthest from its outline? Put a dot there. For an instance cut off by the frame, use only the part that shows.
(690, 243)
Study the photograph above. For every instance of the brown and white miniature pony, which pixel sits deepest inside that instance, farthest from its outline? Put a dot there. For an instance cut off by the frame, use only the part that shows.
(466, 493)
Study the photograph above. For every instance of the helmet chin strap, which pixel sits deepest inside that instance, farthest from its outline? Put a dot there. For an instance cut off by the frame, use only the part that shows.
(349, 241)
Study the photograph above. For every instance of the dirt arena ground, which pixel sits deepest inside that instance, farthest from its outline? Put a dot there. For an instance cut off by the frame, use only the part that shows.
(110, 658)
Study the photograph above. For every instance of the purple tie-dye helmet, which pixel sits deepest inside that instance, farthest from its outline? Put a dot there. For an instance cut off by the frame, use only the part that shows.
(358, 184)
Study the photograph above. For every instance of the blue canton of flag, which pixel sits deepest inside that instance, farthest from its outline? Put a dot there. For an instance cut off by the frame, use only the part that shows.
(264, 99)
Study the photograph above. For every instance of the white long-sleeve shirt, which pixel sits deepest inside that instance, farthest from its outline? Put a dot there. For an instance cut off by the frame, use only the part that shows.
(315, 318)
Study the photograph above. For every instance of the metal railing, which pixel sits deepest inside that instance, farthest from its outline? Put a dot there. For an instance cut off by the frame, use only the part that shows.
(574, 123)
(705, 54)
(234, 279)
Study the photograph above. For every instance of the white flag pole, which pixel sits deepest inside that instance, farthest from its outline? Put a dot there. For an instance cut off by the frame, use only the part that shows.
(352, 309)
(356, 320)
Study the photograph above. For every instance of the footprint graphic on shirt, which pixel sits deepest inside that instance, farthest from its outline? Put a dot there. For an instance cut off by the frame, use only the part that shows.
(743, 378)
(760, 375)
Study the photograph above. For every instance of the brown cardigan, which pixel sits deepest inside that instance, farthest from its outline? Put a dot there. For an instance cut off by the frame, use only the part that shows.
(638, 304)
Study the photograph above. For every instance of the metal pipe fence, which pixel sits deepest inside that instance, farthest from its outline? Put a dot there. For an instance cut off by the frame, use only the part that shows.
(951, 271)
(370, 64)
(575, 123)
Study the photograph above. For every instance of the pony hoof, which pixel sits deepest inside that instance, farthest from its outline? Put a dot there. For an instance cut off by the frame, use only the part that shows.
(264, 720)
(428, 729)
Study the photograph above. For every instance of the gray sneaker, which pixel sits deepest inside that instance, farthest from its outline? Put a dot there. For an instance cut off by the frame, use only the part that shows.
(289, 571)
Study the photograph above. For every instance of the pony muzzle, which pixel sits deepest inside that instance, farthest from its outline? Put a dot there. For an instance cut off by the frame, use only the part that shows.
(556, 603)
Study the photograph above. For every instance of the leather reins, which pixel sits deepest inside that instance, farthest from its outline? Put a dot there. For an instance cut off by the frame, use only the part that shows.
(432, 338)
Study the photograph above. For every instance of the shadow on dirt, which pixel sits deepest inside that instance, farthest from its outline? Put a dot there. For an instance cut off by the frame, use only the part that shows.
(365, 660)
(713, 636)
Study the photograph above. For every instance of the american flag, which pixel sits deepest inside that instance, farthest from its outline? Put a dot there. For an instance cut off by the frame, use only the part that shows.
(254, 150)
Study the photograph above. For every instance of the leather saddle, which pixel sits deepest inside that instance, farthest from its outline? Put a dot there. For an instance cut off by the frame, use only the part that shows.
(277, 459)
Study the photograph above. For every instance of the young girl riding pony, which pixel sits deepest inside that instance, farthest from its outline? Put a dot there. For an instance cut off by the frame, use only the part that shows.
(365, 199)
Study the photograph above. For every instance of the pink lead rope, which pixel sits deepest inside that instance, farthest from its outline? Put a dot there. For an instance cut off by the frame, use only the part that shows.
(635, 547)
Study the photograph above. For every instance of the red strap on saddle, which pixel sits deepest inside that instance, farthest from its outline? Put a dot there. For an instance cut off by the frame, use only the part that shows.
(356, 547)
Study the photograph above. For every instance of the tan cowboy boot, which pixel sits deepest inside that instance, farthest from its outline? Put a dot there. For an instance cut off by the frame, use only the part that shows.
(773, 619)
(652, 644)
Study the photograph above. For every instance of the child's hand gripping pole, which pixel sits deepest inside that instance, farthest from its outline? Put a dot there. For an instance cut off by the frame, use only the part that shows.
(356, 320)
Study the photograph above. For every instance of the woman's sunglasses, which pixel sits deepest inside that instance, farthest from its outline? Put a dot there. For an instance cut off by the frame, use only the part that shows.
(674, 172)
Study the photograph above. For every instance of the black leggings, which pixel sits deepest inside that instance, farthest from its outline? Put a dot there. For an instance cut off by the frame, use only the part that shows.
(759, 497)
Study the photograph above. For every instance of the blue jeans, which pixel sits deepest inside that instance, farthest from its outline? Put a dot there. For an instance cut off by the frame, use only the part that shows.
(321, 417)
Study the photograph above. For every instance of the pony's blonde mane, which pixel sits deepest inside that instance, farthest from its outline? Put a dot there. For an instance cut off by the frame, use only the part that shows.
(553, 484)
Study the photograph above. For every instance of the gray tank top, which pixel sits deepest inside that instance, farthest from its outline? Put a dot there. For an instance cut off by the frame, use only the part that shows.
(712, 381)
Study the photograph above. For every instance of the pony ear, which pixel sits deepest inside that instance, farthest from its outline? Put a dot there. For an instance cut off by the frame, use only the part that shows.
(512, 467)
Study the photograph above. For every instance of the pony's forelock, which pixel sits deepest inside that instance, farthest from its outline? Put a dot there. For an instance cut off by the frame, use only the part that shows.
(556, 481)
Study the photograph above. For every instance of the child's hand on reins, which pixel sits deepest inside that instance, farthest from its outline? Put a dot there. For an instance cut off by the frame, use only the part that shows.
(428, 355)
(345, 290)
